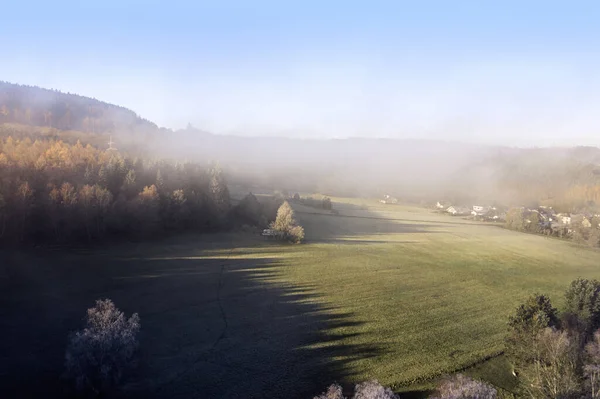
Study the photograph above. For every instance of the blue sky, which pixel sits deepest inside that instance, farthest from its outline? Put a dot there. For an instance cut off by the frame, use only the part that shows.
(510, 72)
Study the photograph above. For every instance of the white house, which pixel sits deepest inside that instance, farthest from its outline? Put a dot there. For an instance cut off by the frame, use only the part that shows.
(563, 218)
(441, 205)
(480, 210)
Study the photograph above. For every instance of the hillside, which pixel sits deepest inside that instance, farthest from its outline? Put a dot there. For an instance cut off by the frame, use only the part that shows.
(413, 170)
(35, 106)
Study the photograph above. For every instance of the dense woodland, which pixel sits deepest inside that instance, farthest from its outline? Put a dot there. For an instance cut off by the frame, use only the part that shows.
(51, 191)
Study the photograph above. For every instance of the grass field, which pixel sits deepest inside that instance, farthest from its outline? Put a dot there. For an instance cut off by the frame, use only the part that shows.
(396, 293)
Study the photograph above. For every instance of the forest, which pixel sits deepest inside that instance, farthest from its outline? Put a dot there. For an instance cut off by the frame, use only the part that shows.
(51, 191)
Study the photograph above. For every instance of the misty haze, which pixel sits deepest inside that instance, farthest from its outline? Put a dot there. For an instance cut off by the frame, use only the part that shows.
(322, 200)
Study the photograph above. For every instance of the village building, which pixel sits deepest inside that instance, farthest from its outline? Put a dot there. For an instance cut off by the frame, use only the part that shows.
(387, 199)
(442, 205)
(458, 210)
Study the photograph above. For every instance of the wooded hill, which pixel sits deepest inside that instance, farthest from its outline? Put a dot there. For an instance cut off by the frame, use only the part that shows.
(411, 170)
(35, 106)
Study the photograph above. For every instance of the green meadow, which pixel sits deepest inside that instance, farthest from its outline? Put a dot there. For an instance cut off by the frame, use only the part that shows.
(391, 292)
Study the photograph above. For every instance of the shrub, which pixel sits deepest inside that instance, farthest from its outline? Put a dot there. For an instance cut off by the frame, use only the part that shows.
(515, 219)
(296, 234)
(97, 356)
(462, 387)
(333, 392)
(373, 390)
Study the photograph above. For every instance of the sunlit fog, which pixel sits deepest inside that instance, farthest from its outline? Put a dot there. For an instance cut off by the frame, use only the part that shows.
(328, 199)
(510, 73)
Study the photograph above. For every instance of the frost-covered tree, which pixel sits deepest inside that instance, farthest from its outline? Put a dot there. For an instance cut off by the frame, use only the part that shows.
(373, 390)
(463, 387)
(333, 392)
(365, 390)
(98, 356)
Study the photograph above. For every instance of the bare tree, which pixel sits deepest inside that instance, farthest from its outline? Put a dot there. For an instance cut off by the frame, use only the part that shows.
(591, 369)
(97, 356)
(553, 371)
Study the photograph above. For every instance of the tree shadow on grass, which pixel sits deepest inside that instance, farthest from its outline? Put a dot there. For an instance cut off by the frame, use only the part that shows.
(212, 326)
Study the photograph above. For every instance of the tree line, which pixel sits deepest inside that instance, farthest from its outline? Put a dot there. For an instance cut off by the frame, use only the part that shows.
(324, 203)
(51, 191)
(581, 229)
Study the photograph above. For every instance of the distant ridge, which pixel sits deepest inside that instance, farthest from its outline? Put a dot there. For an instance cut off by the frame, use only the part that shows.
(35, 106)
(411, 169)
